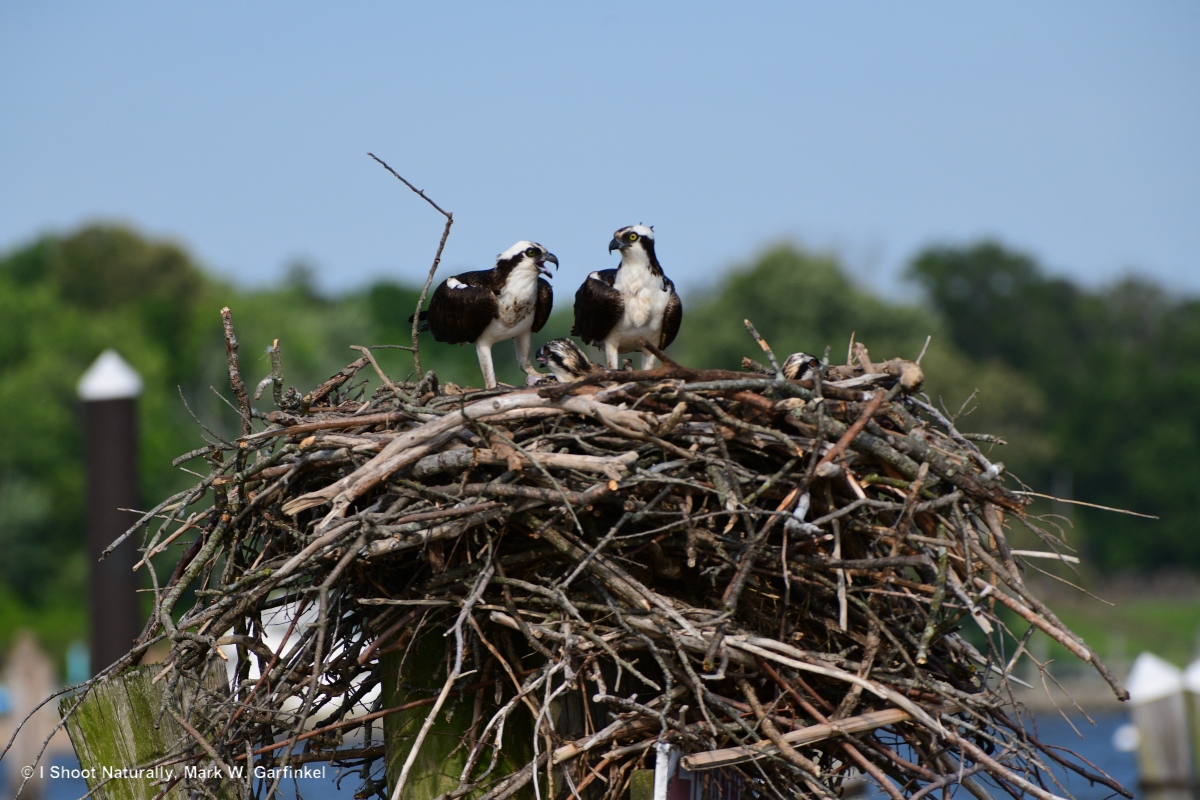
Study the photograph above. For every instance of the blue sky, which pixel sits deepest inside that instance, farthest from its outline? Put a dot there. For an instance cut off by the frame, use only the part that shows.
(1068, 129)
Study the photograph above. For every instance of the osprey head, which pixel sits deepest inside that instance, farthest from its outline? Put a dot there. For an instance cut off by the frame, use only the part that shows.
(564, 359)
(799, 366)
(639, 236)
(527, 252)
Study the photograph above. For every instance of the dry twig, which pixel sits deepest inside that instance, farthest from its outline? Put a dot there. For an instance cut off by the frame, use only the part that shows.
(437, 259)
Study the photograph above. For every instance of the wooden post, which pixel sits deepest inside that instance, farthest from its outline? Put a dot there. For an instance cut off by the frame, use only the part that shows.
(117, 726)
(668, 780)
(109, 390)
(641, 784)
(1191, 695)
(30, 678)
(1165, 761)
(442, 757)
(117, 730)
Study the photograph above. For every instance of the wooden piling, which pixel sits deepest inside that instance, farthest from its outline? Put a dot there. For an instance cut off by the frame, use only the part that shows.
(118, 726)
(1165, 763)
(438, 767)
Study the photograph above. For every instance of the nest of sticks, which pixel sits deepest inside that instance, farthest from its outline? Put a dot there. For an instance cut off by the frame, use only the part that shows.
(533, 591)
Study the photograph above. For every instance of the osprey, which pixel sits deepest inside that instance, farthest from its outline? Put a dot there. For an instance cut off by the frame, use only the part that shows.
(622, 309)
(509, 301)
(566, 360)
(799, 366)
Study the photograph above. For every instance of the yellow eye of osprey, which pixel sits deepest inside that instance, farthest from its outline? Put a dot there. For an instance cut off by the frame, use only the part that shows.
(531, 252)
(631, 236)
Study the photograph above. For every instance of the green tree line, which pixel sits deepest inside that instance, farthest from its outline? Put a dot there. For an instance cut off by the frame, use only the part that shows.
(1099, 385)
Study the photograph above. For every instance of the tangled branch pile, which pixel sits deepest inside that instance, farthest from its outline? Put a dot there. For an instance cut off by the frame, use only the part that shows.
(537, 588)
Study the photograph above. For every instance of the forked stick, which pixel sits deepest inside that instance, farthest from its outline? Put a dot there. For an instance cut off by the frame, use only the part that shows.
(437, 259)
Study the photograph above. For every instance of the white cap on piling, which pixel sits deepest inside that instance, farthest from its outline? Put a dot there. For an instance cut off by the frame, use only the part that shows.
(1153, 679)
(109, 378)
(1191, 677)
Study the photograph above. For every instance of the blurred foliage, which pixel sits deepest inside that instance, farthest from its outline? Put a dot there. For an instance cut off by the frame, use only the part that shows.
(802, 301)
(1169, 627)
(1101, 384)
(1119, 369)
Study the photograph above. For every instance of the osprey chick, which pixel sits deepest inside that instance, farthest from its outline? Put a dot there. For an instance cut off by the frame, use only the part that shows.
(799, 366)
(509, 301)
(566, 360)
(622, 309)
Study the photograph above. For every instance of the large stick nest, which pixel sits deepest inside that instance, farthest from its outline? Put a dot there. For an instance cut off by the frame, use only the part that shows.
(781, 578)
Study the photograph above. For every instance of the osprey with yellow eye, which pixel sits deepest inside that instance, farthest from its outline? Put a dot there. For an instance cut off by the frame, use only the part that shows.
(510, 301)
(621, 310)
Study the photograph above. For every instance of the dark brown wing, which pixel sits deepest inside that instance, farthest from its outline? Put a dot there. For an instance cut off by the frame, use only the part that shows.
(461, 313)
(598, 307)
(543, 304)
(672, 316)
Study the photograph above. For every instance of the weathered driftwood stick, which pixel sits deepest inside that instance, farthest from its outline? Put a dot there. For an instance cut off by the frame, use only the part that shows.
(328, 387)
(276, 374)
(465, 457)
(802, 736)
(437, 259)
(434, 534)
(1015, 605)
(365, 421)
(235, 372)
(397, 454)
(383, 376)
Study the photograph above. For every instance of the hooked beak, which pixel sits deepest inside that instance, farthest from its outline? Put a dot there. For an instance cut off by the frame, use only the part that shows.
(542, 268)
(541, 356)
(614, 245)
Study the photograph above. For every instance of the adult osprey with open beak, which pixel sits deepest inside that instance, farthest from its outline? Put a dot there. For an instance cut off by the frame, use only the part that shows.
(510, 301)
(621, 310)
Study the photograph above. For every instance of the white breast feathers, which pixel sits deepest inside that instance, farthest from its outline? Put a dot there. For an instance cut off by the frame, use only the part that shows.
(644, 297)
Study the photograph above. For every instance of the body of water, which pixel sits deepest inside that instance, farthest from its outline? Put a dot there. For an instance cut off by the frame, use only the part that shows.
(1096, 746)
